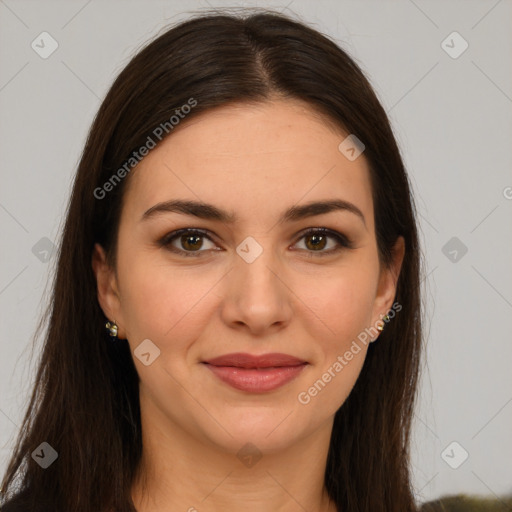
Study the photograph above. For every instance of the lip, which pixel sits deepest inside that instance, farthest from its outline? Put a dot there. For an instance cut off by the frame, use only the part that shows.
(243, 360)
(256, 374)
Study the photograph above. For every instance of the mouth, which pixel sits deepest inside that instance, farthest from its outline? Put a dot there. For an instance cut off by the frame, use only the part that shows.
(244, 360)
(256, 374)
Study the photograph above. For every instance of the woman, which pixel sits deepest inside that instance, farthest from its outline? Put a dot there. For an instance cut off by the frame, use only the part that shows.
(236, 318)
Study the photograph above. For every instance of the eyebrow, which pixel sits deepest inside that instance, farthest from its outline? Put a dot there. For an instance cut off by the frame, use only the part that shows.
(211, 212)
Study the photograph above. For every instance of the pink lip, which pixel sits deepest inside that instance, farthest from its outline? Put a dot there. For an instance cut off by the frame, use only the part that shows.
(256, 381)
(242, 360)
(256, 374)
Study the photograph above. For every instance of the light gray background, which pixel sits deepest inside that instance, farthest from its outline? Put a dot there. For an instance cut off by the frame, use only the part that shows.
(452, 118)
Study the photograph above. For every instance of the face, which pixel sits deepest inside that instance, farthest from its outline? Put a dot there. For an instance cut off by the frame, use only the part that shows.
(256, 283)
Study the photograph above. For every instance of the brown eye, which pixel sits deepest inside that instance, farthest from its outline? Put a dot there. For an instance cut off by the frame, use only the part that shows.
(317, 239)
(315, 242)
(191, 242)
(187, 242)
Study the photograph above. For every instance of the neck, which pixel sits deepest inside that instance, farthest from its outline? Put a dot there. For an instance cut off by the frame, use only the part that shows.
(179, 472)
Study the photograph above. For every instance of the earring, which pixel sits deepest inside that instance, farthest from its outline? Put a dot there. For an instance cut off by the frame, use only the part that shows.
(380, 327)
(112, 328)
(386, 319)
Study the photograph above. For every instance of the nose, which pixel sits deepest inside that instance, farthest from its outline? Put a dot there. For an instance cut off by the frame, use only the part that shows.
(257, 298)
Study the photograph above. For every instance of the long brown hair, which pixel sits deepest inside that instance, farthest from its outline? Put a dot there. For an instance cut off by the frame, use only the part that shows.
(85, 403)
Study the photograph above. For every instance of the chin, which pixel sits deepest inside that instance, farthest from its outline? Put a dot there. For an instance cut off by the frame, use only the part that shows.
(261, 429)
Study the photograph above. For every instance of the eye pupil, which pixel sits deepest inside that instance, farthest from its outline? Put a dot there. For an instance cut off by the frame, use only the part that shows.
(317, 241)
(185, 240)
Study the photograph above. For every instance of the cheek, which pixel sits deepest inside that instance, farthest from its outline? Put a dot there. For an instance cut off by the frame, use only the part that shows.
(345, 307)
(160, 302)
(343, 302)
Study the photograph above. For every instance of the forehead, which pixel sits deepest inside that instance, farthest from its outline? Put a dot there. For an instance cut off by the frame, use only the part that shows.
(250, 157)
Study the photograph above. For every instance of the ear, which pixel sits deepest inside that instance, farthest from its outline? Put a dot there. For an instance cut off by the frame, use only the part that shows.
(388, 280)
(108, 295)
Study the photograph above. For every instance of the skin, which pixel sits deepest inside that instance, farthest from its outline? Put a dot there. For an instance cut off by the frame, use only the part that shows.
(256, 161)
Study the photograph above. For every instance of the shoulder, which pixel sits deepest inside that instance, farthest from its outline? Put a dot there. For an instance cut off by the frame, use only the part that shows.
(19, 503)
(13, 506)
(462, 502)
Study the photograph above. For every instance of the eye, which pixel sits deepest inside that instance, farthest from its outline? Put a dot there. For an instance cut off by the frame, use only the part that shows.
(316, 240)
(189, 241)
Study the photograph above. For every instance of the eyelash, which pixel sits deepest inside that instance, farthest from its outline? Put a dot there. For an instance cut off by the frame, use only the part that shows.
(342, 240)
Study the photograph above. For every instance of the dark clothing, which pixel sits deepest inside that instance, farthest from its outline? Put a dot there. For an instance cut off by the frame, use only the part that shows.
(18, 503)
